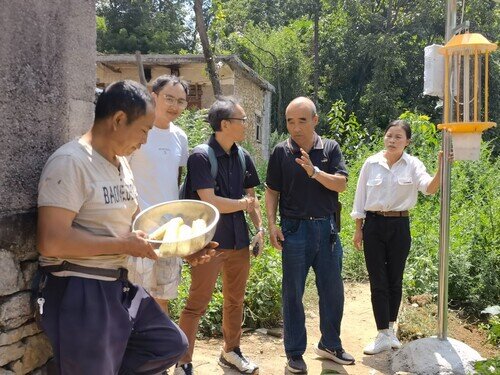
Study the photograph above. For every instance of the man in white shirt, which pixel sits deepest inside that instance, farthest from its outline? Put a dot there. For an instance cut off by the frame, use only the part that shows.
(157, 169)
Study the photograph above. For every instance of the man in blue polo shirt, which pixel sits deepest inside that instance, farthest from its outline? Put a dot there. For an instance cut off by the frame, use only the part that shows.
(305, 174)
(232, 192)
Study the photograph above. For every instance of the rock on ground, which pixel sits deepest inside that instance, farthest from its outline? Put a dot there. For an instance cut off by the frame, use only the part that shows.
(431, 356)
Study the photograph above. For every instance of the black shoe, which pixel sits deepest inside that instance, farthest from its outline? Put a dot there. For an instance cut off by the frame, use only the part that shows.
(185, 369)
(339, 355)
(296, 365)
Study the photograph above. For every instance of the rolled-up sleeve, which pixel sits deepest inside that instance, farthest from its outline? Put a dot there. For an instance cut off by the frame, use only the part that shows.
(421, 176)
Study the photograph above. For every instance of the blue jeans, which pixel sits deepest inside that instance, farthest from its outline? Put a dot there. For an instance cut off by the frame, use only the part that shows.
(311, 243)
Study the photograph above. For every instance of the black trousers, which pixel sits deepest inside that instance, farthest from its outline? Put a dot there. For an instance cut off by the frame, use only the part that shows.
(107, 328)
(386, 242)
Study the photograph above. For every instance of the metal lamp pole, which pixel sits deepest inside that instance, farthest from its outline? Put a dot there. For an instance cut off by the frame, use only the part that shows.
(444, 230)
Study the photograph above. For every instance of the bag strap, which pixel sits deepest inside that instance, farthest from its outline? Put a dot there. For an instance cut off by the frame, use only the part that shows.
(213, 159)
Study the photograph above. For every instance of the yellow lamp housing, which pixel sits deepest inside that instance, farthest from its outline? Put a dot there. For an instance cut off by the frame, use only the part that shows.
(465, 113)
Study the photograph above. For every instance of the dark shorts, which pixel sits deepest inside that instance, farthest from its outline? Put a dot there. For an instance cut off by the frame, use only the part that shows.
(107, 327)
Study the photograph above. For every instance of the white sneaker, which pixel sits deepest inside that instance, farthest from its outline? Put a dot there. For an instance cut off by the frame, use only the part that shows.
(395, 343)
(235, 359)
(382, 343)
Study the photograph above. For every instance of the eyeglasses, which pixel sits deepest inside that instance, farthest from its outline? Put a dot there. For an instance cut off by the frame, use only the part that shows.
(242, 119)
(182, 103)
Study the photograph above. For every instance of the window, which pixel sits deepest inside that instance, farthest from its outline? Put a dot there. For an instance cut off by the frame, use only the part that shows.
(194, 97)
(147, 74)
(258, 128)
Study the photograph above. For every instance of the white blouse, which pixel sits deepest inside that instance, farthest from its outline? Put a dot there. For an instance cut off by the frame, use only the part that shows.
(381, 188)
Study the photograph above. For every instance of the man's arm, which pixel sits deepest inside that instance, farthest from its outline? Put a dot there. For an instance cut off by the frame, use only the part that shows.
(275, 234)
(255, 214)
(226, 205)
(56, 237)
(257, 242)
(335, 182)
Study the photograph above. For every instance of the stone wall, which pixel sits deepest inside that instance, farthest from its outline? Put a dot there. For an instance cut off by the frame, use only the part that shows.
(253, 101)
(47, 78)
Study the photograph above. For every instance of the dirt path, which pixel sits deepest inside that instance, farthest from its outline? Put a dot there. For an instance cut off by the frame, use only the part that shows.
(358, 328)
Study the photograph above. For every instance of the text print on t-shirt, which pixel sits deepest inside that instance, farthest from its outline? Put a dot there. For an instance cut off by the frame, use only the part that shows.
(118, 193)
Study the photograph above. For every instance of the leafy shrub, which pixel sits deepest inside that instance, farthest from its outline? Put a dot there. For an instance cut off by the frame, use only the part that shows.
(262, 307)
(263, 296)
(493, 329)
(276, 138)
(490, 366)
(194, 123)
(346, 130)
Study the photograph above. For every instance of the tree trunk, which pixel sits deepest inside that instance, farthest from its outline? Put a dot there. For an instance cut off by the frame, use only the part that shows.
(200, 26)
(140, 68)
(316, 52)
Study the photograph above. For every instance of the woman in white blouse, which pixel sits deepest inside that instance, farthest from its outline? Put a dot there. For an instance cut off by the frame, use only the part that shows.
(387, 188)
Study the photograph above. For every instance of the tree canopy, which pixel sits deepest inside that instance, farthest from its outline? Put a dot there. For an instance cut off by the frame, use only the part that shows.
(148, 26)
(370, 52)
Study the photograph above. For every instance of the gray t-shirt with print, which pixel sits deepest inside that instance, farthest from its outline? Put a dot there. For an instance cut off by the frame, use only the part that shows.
(104, 198)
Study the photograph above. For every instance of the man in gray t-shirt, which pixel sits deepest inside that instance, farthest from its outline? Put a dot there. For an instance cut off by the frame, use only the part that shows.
(96, 320)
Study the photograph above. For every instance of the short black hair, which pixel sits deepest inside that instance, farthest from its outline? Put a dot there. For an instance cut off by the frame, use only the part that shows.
(403, 124)
(222, 109)
(127, 96)
(165, 79)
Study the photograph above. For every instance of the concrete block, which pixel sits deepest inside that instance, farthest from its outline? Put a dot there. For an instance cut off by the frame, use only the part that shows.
(431, 356)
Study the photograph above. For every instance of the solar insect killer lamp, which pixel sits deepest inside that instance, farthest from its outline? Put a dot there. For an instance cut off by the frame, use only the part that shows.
(466, 117)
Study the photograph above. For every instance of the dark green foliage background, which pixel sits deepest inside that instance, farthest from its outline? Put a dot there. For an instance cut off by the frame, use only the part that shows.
(474, 238)
(370, 71)
(371, 53)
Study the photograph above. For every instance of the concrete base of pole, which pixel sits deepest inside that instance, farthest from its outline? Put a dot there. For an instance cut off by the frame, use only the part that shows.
(433, 356)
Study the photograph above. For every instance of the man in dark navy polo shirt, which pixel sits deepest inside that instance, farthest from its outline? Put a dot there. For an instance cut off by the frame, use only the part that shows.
(232, 192)
(305, 175)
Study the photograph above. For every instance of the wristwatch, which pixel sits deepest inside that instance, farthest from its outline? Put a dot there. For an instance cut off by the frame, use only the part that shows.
(315, 172)
(262, 229)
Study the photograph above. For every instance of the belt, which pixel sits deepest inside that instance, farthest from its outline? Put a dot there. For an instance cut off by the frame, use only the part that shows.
(390, 213)
(308, 217)
(118, 274)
